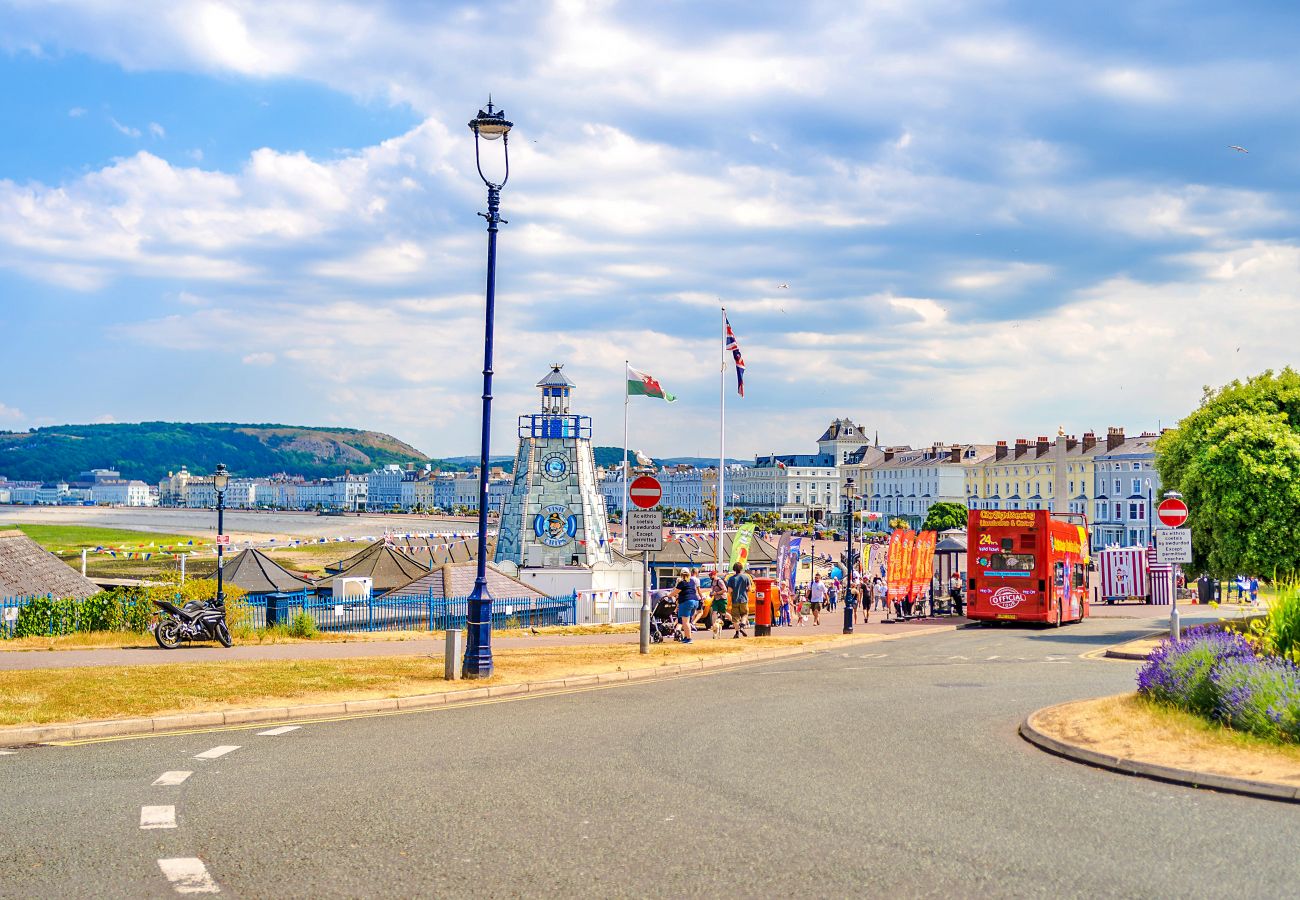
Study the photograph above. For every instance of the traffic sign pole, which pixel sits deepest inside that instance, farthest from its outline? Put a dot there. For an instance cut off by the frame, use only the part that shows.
(645, 492)
(645, 601)
(1172, 513)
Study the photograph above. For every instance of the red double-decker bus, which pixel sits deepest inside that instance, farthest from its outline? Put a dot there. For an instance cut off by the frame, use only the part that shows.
(1027, 565)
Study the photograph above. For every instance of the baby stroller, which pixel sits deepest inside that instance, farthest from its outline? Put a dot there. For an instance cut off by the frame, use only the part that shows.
(663, 619)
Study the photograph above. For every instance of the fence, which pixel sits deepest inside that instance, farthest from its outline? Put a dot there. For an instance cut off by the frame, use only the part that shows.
(607, 607)
(415, 612)
(409, 613)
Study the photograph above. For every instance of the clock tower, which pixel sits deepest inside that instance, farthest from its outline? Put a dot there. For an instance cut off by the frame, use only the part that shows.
(555, 514)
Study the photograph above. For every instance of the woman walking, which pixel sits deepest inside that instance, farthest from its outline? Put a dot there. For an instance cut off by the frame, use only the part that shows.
(717, 605)
(687, 601)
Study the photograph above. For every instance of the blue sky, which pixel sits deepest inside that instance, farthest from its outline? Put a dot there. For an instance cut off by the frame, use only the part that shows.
(994, 218)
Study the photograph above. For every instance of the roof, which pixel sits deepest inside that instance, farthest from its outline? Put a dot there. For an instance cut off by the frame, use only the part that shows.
(825, 460)
(451, 580)
(257, 573)
(843, 430)
(690, 550)
(29, 570)
(1143, 445)
(556, 378)
(385, 566)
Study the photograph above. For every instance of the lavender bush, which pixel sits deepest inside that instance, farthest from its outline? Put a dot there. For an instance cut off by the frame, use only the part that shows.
(1260, 696)
(1180, 673)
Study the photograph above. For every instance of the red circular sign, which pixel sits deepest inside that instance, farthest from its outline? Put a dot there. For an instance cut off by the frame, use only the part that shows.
(645, 492)
(1172, 512)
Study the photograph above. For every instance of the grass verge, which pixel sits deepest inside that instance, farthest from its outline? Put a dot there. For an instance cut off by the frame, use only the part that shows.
(87, 694)
(129, 640)
(1131, 727)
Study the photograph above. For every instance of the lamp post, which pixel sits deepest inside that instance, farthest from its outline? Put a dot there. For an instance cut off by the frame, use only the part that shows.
(848, 562)
(220, 480)
(488, 125)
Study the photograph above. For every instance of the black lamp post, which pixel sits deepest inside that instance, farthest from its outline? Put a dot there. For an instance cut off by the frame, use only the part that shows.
(220, 479)
(487, 126)
(848, 562)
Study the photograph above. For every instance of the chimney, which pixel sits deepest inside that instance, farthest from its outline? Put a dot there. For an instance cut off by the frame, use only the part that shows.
(1114, 437)
(889, 455)
(954, 454)
(1000, 450)
(1022, 447)
(1089, 441)
(1043, 444)
(1070, 443)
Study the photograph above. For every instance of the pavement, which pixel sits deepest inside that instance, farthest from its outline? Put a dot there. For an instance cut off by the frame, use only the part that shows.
(148, 653)
(888, 769)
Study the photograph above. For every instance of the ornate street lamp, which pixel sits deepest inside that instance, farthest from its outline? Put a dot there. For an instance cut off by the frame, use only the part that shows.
(488, 125)
(220, 480)
(848, 562)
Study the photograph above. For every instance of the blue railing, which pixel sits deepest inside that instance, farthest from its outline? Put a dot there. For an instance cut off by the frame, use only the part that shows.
(9, 608)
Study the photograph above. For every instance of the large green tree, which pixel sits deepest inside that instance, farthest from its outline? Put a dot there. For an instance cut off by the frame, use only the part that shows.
(1236, 461)
(944, 515)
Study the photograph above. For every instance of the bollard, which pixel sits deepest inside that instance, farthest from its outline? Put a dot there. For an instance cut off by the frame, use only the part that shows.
(452, 655)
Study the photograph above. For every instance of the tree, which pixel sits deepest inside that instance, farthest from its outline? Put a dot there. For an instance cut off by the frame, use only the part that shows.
(944, 515)
(1236, 461)
(897, 524)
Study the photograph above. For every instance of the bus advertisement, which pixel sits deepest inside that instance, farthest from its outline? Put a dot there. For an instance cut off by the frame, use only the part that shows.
(1027, 566)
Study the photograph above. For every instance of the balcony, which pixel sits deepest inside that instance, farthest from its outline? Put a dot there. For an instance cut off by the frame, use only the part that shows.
(544, 426)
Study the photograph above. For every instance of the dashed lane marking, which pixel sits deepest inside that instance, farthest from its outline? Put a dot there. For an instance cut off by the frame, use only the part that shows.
(7, 752)
(217, 752)
(283, 729)
(171, 779)
(188, 875)
(994, 657)
(157, 817)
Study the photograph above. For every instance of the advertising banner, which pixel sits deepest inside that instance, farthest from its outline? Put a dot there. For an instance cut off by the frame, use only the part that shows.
(899, 577)
(922, 563)
(740, 545)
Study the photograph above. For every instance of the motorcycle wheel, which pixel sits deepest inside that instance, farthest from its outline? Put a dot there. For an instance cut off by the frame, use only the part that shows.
(223, 634)
(167, 634)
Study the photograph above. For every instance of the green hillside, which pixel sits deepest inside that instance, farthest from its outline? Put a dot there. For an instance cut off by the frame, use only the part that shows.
(149, 450)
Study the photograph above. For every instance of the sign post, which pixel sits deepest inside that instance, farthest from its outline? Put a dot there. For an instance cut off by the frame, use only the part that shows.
(643, 529)
(1173, 546)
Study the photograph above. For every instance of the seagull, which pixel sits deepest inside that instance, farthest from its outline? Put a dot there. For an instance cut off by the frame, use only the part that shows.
(1239, 149)
(783, 286)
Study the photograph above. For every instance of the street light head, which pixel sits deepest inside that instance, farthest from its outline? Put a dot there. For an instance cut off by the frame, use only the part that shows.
(221, 477)
(490, 125)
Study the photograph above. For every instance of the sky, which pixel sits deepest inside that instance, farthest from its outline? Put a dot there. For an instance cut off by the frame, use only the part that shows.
(949, 221)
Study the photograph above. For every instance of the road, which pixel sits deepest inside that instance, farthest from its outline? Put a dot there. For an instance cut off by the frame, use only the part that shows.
(884, 770)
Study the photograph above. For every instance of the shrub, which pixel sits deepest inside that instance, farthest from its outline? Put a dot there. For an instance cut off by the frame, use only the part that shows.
(1260, 696)
(1278, 633)
(302, 625)
(1179, 673)
(122, 609)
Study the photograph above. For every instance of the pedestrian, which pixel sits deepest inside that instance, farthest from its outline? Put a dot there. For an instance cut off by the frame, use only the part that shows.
(717, 605)
(816, 597)
(784, 617)
(855, 598)
(1254, 591)
(801, 607)
(954, 593)
(879, 592)
(741, 586)
(687, 600)
(832, 594)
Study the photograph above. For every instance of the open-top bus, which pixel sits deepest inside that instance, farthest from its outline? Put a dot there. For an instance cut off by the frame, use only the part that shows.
(1027, 566)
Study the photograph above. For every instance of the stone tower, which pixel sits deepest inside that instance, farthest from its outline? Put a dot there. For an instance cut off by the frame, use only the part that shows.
(555, 514)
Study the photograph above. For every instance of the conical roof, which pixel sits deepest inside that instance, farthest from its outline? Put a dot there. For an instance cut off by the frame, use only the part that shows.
(451, 580)
(29, 570)
(384, 566)
(257, 573)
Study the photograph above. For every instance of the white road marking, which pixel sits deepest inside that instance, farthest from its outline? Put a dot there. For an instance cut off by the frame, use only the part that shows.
(157, 817)
(216, 751)
(7, 752)
(995, 657)
(170, 779)
(873, 656)
(283, 729)
(956, 657)
(188, 876)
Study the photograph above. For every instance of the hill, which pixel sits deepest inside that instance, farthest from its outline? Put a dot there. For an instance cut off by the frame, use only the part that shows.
(149, 450)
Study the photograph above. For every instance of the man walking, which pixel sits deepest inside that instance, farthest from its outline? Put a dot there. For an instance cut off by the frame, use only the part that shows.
(816, 597)
(741, 586)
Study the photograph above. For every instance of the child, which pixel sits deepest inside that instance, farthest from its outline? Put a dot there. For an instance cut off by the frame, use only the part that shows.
(784, 617)
(804, 608)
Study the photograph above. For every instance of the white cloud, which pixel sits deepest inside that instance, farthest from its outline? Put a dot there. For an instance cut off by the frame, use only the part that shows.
(10, 413)
(77, 112)
(124, 129)
(259, 359)
(157, 130)
(995, 276)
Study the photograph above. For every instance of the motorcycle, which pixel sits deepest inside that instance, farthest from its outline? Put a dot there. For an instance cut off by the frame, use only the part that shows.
(195, 621)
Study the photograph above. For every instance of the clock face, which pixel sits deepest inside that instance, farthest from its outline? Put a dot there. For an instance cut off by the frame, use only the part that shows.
(555, 467)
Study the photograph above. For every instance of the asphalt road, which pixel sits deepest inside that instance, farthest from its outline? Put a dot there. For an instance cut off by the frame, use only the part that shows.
(884, 770)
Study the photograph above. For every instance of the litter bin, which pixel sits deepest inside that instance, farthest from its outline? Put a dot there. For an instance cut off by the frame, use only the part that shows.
(277, 609)
(765, 594)
(1205, 589)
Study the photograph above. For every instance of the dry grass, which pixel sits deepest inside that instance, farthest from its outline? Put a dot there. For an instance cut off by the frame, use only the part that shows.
(1130, 727)
(87, 694)
(128, 640)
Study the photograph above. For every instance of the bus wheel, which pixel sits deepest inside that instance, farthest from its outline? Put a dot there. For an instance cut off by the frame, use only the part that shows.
(1058, 616)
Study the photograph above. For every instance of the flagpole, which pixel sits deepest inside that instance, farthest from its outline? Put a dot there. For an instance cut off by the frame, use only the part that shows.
(622, 514)
(722, 438)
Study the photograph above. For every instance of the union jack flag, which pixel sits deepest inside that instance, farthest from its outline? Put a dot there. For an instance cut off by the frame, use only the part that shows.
(735, 354)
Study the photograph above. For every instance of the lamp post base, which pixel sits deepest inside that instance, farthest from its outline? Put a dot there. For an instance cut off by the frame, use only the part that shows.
(478, 635)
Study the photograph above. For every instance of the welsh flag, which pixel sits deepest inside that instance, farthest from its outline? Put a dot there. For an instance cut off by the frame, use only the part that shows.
(639, 384)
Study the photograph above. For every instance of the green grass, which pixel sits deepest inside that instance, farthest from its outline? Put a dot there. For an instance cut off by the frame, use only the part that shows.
(78, 537)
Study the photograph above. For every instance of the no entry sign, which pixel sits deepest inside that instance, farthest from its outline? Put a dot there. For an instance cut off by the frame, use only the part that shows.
(645, 492)
(1172, 512)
